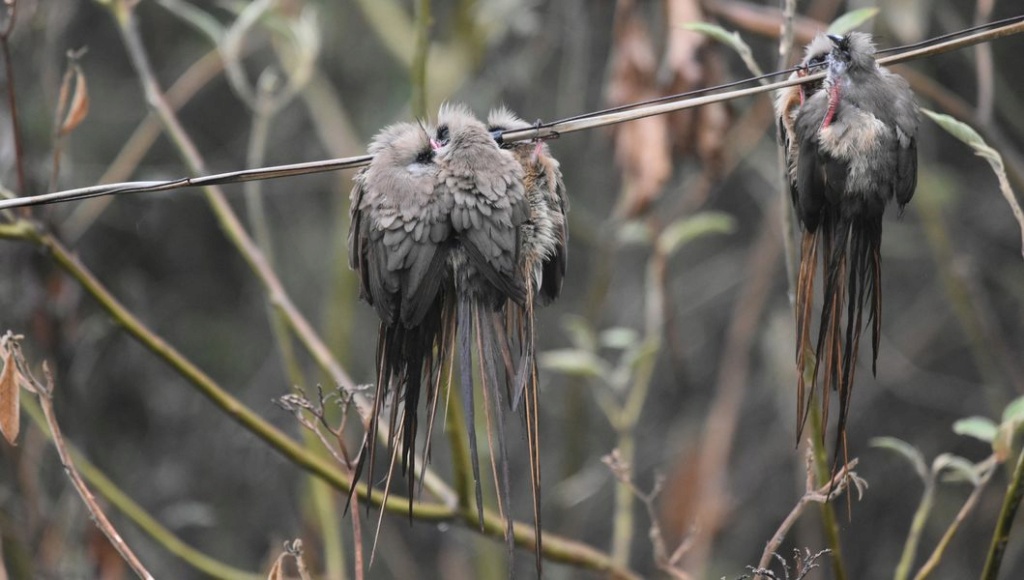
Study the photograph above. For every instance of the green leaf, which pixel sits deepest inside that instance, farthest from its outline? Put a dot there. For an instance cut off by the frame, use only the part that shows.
(619, 338)
(581, 334)
(981, 428)
(971, 138)
(1002, 445)
(957, 468)
(683, 231)
(908, 451)
(1014, 412)
(575, 362)
(730, 39)
(634, 232)
(851, 20)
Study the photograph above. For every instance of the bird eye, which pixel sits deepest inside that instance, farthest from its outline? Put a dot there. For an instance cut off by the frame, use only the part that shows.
(442, 134)
(816, 60)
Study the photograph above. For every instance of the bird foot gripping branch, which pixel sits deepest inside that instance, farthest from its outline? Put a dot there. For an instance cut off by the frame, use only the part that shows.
(851, 146)
(455, 239)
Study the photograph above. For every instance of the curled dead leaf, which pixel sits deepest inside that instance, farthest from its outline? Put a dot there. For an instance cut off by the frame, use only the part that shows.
(73, 100)
(78, 109)
(10, 402)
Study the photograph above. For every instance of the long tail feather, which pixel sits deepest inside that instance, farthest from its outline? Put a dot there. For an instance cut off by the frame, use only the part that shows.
(465, 327)
(442, 363)
(530, 411)
(804, 308)
(368, 449)
(487, 344)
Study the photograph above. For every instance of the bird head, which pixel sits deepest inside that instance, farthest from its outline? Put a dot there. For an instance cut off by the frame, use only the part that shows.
(403, 146)
(458, 128)
(853, 53)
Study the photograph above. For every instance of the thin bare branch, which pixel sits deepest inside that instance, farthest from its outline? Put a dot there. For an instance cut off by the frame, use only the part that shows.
(845, 478)
(44, 391)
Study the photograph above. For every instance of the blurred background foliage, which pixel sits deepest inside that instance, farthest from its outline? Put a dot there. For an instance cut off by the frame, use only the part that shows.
(716, 418)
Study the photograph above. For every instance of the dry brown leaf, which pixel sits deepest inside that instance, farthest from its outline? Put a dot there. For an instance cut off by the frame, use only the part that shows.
(642, 148)
(683, 48)
(78, 109)
(10, 402)
(714, 120)
(694, 63)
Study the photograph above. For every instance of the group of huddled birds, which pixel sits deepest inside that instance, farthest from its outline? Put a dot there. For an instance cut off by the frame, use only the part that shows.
(456, 240)
(457, 236)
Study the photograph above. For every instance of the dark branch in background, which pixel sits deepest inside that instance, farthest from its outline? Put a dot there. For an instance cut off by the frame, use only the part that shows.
(12, 102)
(551, 130)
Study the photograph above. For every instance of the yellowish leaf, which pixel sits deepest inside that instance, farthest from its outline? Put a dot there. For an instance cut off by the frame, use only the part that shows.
(10, 403)
(78, 109)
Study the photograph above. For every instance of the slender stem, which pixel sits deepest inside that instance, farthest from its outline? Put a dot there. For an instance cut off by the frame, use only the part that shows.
(997, 549)
(136, 513)
(933, 561)
(812, 494)
(419, 61)
(924, 508)
(828, 513)
(45, 394)
(12, 100)
(623, 520)
(788, 213)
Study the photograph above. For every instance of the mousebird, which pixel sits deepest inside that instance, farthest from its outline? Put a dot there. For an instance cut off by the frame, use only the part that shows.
(856, 151)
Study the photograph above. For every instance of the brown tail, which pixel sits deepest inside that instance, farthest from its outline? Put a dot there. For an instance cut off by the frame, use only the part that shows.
(521, 320)
(804, 304)
(408, 359)
(850, 254)
(864, 287)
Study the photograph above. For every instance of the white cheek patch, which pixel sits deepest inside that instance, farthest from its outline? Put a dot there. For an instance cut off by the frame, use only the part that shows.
(417, 169)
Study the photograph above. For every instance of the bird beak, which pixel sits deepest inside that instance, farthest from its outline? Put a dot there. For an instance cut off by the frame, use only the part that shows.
(435, 144)
(835, 38)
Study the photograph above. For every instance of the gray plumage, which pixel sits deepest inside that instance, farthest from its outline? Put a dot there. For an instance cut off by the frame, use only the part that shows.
(789, 100)
(857, 138)
(545, 234)
(399, 244)
(446, 249)
(543, 257)
(489, 205)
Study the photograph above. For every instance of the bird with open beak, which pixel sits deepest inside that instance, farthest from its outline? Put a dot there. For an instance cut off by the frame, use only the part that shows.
(857, 150)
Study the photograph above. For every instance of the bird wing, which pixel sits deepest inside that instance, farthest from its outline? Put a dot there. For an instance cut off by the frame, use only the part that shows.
(813, 165)
(554, 267)
(486, 216)
(396, 243)
(906, 118)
